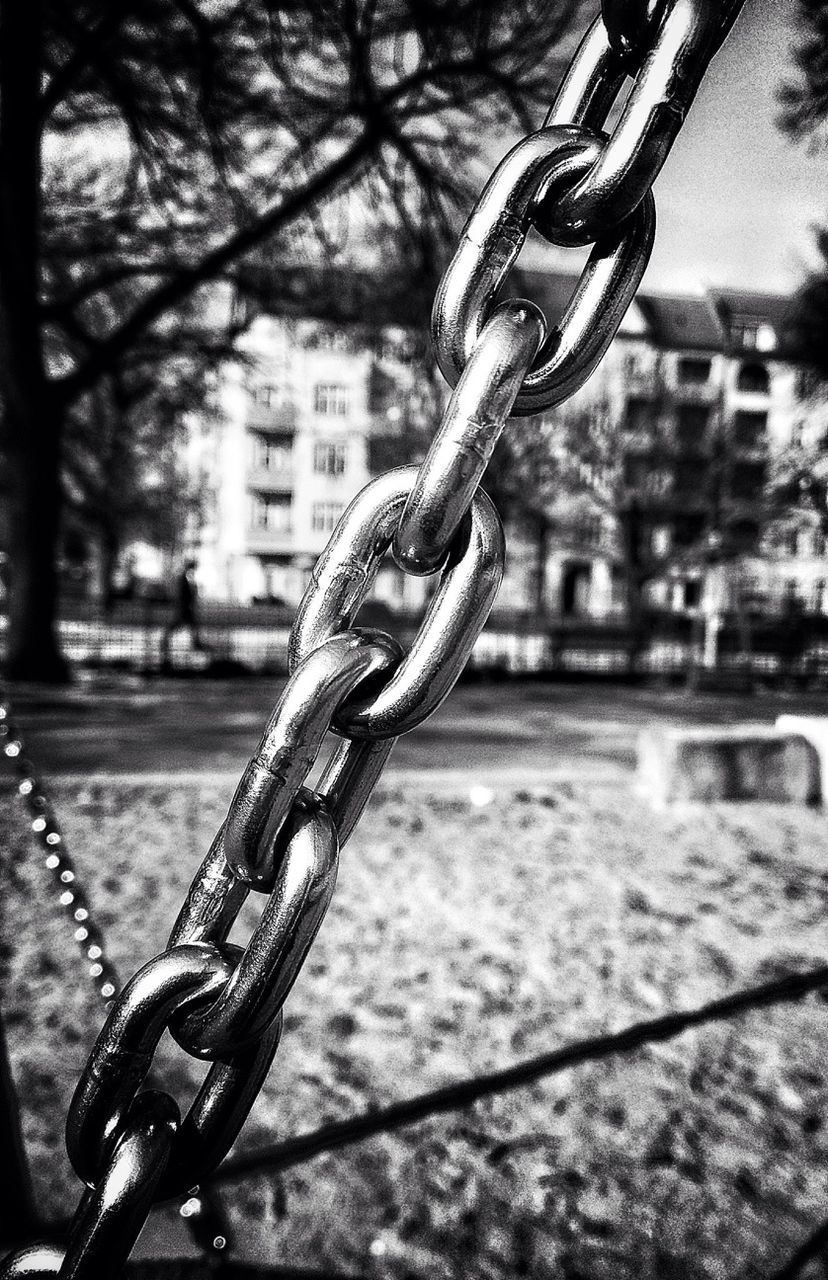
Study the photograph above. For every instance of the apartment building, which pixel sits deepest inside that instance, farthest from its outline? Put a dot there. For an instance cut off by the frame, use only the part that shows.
(284, 450)
(701, 392)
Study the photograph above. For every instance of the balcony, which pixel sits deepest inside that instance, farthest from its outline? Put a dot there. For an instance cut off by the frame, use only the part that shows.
(269, 479)
(271, 417)
(269, 541)
(696, 392)
(750, 450)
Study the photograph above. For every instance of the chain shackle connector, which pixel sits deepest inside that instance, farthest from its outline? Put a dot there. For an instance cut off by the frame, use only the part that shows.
(253, 997)
(456, 612)
(491, 241)
(291, 743)
(680, 38)
(102, 1104)
(451, 471)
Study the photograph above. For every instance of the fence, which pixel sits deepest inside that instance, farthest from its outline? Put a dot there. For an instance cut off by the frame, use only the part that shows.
(238, 639)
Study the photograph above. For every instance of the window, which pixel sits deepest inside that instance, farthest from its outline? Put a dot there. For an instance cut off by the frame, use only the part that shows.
(268, 394)
(590, 530)
(270, 512)
(690, 476)
(753, 378)
(819, 542)
(743, 536)
(818, 595)
(693, 372)
(326, 338)
(324, 516)
(272, 453)
(331, 400)
(687, 530)
(660, 540)
(640, 415)
(329, 459)
(749, 429)
(749, 333)
(691, 425)
(790, 542)
(747, 480)
(635, 366)
(692, 593)
(743, 334)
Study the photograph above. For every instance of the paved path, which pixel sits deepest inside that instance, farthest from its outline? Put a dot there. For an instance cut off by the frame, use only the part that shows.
(504, 732)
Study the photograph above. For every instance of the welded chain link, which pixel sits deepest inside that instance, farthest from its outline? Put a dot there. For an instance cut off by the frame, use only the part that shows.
(577, 186)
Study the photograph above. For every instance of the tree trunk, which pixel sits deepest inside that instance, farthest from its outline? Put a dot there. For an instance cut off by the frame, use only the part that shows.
(30, 438)
(110, 549)
(33, 652)
(634, 578)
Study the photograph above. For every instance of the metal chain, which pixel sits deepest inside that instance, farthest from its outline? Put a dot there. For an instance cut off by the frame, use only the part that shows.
(203, 1219)
(58, 860)
(222, 1003)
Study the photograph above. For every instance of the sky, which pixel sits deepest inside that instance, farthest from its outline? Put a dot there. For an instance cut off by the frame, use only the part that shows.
(736, 198)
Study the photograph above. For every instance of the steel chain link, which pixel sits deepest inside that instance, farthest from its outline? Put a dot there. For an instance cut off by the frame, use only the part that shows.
(577, 186)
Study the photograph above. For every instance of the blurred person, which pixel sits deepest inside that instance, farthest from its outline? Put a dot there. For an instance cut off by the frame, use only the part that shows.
(185, 614)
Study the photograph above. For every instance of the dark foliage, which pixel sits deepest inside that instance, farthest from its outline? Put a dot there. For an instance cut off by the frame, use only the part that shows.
(152, 151)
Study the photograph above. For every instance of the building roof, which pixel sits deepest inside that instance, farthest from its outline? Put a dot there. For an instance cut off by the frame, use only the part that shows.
(550, 290)
(683, 322)
(345, 295)
(772, 309)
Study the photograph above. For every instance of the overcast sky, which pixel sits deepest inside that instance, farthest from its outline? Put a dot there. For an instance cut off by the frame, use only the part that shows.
(736, 198)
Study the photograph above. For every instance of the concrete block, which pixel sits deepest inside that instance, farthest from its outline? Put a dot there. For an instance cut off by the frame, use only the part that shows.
(745, 762)
(813, 729)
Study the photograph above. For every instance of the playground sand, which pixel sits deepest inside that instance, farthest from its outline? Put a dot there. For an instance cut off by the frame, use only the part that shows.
(463, 937)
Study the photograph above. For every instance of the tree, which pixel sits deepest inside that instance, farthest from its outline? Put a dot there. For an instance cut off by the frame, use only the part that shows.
(804, 117)
(122, 471)
(804, 98)
(799, 477)
(558, 473)
(165, 145)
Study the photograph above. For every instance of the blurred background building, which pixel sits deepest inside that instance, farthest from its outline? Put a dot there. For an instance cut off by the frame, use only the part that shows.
(687, 419)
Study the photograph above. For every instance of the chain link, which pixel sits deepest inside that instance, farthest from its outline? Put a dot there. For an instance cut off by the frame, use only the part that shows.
(546, 162)
(577, 186)
(674, 52)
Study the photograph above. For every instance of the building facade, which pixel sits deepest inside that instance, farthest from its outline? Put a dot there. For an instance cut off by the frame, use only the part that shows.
(701, 395)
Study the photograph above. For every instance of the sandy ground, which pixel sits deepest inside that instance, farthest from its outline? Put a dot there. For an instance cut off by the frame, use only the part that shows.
(460, 939)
